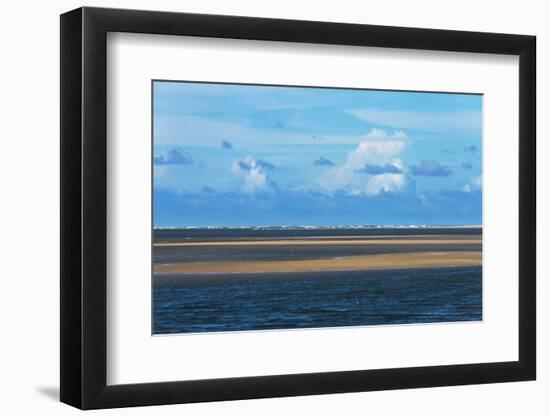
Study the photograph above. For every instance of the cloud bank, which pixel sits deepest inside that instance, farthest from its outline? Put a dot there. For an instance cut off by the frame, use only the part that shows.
(307, 207)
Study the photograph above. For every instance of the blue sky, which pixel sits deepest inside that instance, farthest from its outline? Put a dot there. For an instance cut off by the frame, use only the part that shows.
(243, 155)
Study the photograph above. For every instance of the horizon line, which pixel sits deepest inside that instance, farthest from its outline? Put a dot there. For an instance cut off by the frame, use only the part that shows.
(387, 226)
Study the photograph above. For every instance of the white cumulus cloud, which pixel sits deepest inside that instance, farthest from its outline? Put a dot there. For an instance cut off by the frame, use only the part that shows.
(385, 182)
(378, 148)
(251, 171)
(382, 134)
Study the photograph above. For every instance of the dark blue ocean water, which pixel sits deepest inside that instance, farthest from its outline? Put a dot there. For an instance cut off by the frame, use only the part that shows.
(227, 302)
(285, 232)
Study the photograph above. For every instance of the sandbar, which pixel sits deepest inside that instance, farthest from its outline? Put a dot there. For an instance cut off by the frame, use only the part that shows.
(359, 262)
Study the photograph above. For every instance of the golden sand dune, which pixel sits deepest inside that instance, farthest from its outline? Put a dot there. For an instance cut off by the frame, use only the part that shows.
(323, 242)
(360, 262)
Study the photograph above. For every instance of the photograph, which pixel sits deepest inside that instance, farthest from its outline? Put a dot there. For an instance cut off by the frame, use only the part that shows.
(254, 204)
(300, 207)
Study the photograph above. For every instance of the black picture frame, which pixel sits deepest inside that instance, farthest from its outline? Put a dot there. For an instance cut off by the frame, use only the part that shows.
(84, 207)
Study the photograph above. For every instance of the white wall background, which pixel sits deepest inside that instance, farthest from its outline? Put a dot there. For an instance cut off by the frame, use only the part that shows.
(29, 159)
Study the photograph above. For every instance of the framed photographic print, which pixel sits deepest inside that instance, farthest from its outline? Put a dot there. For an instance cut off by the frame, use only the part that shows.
(257, 207)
